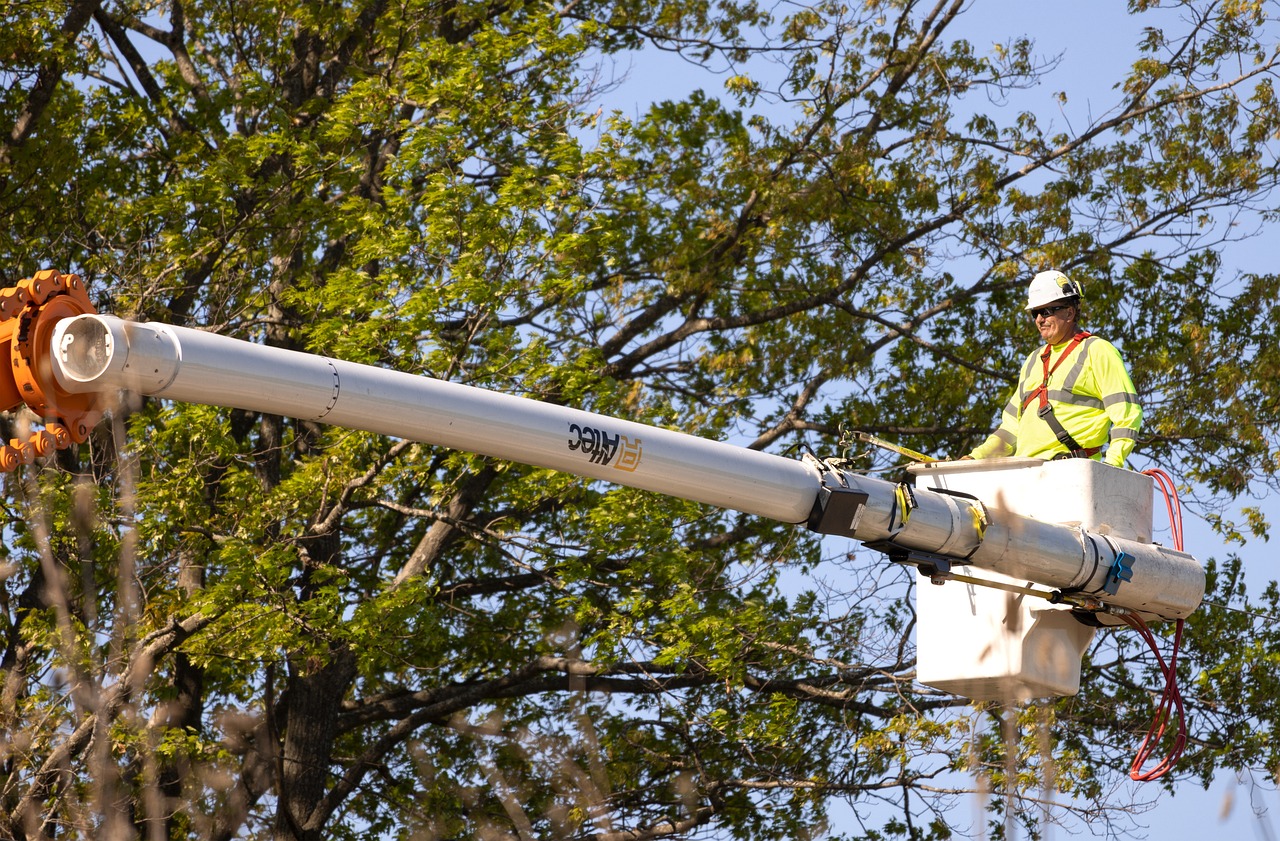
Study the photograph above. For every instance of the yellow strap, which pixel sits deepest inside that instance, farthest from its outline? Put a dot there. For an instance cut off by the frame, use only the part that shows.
(906, 502)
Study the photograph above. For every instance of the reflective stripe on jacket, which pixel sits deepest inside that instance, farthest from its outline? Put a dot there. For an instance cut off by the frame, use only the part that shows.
(1092, 397)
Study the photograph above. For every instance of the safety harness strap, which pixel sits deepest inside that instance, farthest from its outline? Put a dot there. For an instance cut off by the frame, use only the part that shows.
(1046, 408)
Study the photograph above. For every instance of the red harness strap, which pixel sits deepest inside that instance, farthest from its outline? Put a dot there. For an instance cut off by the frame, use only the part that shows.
(1041, 391)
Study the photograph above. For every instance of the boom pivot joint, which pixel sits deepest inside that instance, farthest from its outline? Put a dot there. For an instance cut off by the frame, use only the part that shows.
(28, 313)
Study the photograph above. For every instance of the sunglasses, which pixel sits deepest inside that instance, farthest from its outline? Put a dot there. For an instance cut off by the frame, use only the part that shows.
(1045, 312)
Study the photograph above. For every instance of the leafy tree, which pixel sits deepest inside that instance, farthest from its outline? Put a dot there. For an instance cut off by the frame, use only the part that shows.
(225, 625)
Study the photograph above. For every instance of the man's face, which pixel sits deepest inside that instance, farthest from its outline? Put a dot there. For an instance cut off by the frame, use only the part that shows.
(1056, 322)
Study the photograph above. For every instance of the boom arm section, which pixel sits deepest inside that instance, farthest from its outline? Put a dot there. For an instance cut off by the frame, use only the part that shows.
(95, 353)
(99, 353)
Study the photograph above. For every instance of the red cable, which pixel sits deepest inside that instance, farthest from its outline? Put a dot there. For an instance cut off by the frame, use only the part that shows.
(1171, 698)
(1170, 701)
(1171, 502)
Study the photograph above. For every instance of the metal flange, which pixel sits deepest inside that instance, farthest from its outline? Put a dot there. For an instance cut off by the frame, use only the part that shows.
(28, 314)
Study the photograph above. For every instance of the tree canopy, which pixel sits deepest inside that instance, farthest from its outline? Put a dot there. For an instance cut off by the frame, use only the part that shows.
(217, 624)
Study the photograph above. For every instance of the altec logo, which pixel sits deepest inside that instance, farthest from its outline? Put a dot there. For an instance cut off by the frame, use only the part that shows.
(602, 448)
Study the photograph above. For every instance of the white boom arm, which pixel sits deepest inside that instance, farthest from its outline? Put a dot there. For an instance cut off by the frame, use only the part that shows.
(96, 353)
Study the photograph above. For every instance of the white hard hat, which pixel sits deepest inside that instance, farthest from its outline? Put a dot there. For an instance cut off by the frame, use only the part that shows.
(1051, 286)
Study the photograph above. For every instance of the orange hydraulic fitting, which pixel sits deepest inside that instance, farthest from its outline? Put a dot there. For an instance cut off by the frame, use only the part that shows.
(28, 313)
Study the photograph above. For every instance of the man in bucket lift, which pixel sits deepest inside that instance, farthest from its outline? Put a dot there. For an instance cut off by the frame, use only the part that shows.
(1074, 395)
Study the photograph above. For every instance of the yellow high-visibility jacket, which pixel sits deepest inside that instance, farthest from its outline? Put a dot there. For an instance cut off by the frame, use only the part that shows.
(1092, 397)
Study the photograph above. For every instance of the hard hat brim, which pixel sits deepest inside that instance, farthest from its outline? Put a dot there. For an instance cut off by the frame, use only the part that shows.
(1068, 300)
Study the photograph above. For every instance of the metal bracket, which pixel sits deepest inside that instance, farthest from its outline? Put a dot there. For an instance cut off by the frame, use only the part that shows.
(837, 511)
(935, 567)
